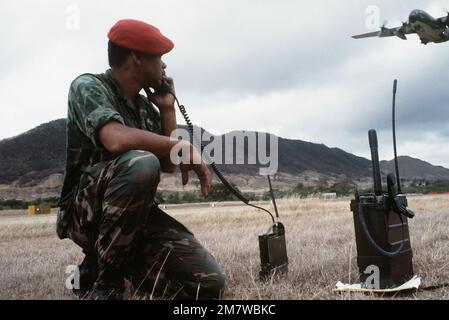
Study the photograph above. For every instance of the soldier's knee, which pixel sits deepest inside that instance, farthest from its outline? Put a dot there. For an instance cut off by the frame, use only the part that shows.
(142, 167)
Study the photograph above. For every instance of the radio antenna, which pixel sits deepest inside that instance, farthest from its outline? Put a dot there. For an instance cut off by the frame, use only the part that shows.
(396, 164)
(372, 136)
(272, 197)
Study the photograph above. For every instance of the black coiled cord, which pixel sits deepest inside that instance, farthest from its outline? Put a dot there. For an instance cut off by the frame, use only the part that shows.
(230, 187)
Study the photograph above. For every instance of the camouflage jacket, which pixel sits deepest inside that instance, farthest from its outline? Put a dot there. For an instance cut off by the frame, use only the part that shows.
(93, 101)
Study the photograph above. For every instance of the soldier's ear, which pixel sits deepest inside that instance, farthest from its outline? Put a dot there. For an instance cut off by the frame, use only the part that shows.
(136, 59)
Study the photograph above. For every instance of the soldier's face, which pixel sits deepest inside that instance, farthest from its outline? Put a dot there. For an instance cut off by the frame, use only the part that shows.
(152, 71)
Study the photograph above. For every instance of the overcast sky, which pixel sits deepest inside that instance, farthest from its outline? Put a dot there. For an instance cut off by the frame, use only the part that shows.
(285, 67)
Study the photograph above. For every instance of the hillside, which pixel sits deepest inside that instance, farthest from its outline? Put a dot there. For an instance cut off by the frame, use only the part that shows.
(32, 164)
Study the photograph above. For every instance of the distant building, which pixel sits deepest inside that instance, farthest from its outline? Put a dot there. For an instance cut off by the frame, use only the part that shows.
(328, 196)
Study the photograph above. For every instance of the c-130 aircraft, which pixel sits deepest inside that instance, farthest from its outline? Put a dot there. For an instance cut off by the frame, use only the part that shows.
(428, 28)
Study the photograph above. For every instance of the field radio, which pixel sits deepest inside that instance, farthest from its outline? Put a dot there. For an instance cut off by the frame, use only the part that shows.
(381, 224)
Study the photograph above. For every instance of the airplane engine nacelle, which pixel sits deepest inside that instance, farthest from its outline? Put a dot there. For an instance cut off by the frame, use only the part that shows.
(400, 34)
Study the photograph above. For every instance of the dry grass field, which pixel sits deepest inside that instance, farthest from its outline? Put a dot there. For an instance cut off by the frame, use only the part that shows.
(320, 244)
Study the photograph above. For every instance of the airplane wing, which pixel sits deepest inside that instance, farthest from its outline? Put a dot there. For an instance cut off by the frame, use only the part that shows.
(367, 35)
(388, 32)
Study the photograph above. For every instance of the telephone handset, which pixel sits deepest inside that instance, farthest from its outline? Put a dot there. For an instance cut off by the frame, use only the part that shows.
(163, 89)
(398, 207)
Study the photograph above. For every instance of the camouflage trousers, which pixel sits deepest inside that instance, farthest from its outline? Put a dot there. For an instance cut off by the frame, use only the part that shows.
(118, 225)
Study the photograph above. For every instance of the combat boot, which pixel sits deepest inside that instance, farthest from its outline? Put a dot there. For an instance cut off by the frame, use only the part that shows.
(88, 272)
(108, 286)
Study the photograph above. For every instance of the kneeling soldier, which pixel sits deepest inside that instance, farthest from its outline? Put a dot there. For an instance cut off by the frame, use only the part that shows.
(117, 145)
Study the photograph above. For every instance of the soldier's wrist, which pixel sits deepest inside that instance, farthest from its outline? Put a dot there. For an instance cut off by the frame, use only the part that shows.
(167, 110)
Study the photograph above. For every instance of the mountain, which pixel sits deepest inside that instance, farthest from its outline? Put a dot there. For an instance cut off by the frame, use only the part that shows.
(294, 156)
(411, 168)
(33, 163)
(40, 152)
(33, 155)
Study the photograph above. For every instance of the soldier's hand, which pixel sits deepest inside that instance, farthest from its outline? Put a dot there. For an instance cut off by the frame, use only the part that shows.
(201, 171)
(199, 167)
(164, 102)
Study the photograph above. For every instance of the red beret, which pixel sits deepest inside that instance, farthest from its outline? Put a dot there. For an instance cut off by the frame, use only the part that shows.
(139, 36)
